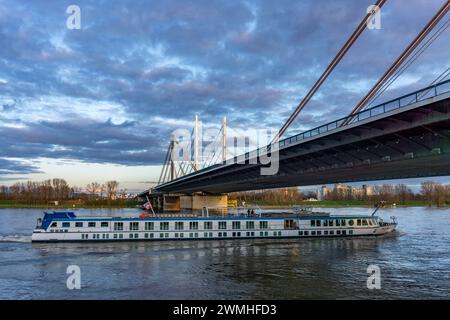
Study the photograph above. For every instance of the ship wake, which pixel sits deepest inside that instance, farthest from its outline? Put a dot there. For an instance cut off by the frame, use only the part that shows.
(15, 238)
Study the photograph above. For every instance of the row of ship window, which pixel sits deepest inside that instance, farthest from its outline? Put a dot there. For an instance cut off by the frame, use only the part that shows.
(343, 222)
(85, 236)
(179, 225)
(325, 232)
(211, 235)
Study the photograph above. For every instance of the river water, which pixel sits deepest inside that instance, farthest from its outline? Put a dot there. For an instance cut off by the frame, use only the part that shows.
(414, 263)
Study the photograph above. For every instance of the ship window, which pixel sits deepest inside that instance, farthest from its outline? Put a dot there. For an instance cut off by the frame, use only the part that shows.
(164, 226)
(364, 222)
(289, 224)
(195, 234)
(149, 226)
(351, 222)
(115, 235)
(317, 223)
(300, 233)
(131, 236)
(331, 232)
(252, 233)
(264, 225)
(250, 224)
(193, 225)
(330, 223)
(208, 225)
(66, 224)
(224, 234)
(118, 226)
(104, 224)
(313, 223)
(220, 234)
(338, 232)
(134, 226)
(313, 233)
(343, 222)
(181, 234)
(236, 224)
(91, 224)
(266, 233)
(179, 225)
(261, 233)
(222, 225)
(120, 236)
(325, 223)
(350, 231)
(54, 225)
(338, 223)
(344, 232)
(79, 224)
(325, 232)
(358, 222)
(306, 233)
(136, 235)
(161, 235)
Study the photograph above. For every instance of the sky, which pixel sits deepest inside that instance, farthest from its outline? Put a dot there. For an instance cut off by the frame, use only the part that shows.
(99, 103)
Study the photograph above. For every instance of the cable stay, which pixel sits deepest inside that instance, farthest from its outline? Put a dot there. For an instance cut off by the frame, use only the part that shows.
(399, 61)
(355, 35)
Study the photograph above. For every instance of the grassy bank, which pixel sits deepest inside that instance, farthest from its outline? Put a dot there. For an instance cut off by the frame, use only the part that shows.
(339, 204)
(265, 204)
(70, 204)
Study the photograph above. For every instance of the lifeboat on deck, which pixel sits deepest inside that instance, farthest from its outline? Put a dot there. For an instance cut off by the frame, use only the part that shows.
(146, 215)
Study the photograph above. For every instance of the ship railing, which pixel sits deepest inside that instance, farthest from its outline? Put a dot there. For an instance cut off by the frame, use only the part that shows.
(237, 211)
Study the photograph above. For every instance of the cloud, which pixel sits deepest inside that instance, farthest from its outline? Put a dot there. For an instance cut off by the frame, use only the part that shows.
(13, 167)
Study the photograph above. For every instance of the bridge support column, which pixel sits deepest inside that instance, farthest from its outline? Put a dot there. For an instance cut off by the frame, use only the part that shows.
(198, 201)
(171, 202)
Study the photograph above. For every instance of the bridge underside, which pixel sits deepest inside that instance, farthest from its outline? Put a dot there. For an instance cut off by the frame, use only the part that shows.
(406, 143)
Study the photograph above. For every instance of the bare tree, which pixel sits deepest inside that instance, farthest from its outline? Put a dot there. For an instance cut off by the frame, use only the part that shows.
(111, 189)
(93, 187)
(427, 191)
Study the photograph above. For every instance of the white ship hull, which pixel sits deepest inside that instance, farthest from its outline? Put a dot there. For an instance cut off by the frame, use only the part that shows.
(69, 229)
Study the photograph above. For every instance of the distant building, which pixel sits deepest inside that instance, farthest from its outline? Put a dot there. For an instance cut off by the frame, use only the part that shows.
(341, 190)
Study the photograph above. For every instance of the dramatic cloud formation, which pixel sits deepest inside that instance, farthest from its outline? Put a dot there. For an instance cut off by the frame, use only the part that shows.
(112, 92)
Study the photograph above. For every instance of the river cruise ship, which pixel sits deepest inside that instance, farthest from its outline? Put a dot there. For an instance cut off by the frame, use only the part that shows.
(65, 226)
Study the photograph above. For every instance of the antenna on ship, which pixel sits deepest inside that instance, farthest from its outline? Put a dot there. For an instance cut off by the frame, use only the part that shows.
(377, 205)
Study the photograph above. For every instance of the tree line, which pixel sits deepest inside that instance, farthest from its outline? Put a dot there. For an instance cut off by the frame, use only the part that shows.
(43, 192)
(430, 192)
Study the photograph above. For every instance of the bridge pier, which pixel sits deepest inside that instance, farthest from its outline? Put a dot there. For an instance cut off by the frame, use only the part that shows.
(198, 201)
(173, 202)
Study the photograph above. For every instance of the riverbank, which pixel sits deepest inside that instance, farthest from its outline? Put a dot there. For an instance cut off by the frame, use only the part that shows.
(70, 204)
(341, 204)
(263, 204)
